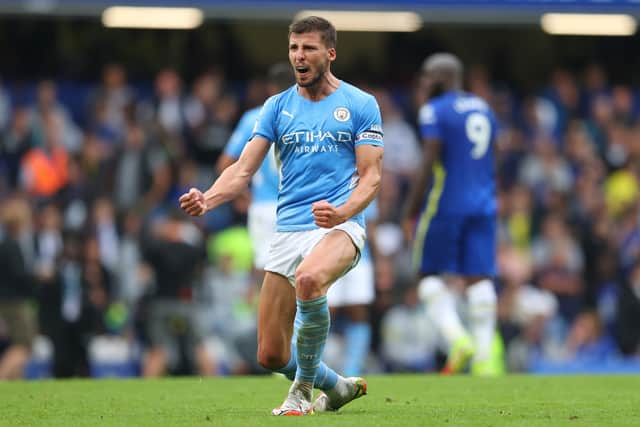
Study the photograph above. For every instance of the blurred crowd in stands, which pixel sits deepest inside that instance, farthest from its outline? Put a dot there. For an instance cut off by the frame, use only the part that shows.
(102, 275)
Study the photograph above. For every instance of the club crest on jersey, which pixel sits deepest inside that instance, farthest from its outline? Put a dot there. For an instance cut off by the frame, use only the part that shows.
(341, 114)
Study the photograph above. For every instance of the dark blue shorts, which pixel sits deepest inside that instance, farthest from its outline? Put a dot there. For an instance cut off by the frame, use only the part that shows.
(460, 244)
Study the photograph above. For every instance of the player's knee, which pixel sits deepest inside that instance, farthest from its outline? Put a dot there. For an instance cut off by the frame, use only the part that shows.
(271, 359)
(308, 285)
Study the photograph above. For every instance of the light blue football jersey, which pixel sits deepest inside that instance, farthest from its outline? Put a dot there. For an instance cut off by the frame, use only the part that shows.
(466, 127)
(315, 148)
(264, 184)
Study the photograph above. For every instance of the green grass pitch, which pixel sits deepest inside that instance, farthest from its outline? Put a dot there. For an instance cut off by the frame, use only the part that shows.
(392, 400)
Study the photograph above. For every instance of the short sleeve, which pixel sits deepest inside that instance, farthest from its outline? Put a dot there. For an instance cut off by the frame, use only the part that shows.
(429, 123)
(369, 125)
(265, 125)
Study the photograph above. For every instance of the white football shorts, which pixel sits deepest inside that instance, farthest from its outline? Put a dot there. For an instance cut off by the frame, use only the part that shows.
(357, 287)
(261, 221)
(289, 248)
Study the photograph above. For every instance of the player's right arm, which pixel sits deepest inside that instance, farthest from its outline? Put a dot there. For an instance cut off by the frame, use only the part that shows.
(230, 183)
(431, 152)
(237, 176)
(224, 161)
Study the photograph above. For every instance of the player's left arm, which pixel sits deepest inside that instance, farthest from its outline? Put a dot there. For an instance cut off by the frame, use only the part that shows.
(369, 166)
(368, 152)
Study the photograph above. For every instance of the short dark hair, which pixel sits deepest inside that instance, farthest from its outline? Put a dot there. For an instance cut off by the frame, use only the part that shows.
(281, 75)
(316, 24)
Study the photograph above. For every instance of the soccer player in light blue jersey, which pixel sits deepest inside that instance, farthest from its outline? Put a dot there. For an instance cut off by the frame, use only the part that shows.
(456, 221)
(327, 138)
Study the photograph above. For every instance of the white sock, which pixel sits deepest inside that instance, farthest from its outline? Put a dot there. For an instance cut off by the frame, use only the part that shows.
(441, 308)
(482, 311)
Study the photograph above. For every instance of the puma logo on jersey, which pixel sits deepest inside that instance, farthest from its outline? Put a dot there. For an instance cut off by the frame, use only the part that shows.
(286, 113)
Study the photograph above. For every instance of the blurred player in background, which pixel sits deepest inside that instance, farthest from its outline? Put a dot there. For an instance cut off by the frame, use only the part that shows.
(327, 136)
(350, 297)
(264, 184)
(455, 225)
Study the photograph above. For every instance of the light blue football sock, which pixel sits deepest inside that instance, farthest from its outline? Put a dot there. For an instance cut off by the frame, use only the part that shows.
(357, 337)
(326, 378)
(312, 335)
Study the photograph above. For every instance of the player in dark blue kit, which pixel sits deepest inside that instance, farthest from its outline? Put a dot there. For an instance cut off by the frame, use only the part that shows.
(455, 225)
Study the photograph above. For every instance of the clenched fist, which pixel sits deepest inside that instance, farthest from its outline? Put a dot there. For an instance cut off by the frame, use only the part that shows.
(193, 202)
(325, 214)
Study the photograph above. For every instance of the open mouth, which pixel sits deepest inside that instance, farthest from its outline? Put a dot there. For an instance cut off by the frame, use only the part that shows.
(302, 70)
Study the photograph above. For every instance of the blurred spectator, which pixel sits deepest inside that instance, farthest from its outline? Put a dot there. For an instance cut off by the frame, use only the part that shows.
(5, 108)
(402, 150)
(104, 224)
(558, 262)
(217, 131)
(545, 171)
(45, 168)
(165, 115)
(588, 341)
(255, 93)
(48, 240)
(109, 102)
(627, 233)
(617, 150)
(599, 119)
(517, 219)
(174, 250)
(72, 304)
(47, 104)
(523, 309)
(76, 197)
(16, 141)
(408, 349)
(18, 323)
(230, 298)
(89, 174)
(133, 276)
(565, 100)
(511, 149)
(621, 189)
(141, 171)
(200, 104)
(579, 149)
(595, 82)
(98, 279)
(478, 83)
(628, 321)
(623, 104)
